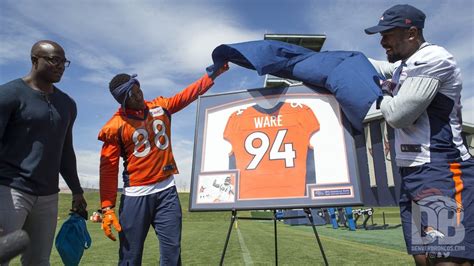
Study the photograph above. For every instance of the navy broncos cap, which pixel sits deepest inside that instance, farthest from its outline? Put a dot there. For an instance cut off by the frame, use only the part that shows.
(404, 16)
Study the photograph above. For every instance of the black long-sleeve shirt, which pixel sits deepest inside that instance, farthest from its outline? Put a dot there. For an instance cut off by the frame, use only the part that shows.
(36, 139)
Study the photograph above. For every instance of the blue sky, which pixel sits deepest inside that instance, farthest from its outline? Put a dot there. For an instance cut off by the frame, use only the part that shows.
(169, 44)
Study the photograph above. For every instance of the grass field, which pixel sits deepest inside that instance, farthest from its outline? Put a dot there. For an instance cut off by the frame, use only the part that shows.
(252, 241)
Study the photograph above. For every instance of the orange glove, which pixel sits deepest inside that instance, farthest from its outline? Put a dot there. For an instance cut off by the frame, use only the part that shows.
(110, 219)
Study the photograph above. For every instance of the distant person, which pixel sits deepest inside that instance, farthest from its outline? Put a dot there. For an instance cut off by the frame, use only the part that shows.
(140, 133)
(422, 102)
(36, 121)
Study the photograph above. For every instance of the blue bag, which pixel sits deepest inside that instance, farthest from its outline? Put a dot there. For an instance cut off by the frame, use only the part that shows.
(72, 239)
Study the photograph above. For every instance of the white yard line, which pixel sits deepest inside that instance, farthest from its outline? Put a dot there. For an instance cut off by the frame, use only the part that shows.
(245, 251)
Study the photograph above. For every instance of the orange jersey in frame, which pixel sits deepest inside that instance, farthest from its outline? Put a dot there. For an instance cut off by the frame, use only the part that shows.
(270, 148)
(143, 141)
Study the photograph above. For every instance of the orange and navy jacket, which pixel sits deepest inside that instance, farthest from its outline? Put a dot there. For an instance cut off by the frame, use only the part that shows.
(143, 140)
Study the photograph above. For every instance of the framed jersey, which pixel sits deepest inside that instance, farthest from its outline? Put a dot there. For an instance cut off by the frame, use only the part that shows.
(272, 148)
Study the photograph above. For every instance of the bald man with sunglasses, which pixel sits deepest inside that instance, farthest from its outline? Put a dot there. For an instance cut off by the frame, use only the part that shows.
(36, 121)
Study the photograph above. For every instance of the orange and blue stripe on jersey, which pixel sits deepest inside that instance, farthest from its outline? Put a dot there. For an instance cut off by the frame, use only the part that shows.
(143, 140)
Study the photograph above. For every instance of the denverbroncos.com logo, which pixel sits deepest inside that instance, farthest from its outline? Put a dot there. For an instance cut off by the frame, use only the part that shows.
(437, 223)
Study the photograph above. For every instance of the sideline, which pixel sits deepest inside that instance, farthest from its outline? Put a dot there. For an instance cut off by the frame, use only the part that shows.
(245, 251)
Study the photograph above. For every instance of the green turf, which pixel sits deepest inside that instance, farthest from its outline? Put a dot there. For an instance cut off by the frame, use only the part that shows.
(252, 241)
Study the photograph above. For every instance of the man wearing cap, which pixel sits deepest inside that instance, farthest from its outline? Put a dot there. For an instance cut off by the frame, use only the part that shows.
(140, 133)
(421, 101)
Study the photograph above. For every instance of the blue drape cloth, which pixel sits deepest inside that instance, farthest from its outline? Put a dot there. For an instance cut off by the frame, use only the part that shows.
(347, 74)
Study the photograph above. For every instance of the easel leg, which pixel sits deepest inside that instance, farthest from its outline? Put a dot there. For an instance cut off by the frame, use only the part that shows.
(310, 217)
(232, 220)
(275, 231)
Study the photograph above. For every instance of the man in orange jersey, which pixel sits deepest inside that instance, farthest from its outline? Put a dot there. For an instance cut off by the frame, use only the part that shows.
(140, 133)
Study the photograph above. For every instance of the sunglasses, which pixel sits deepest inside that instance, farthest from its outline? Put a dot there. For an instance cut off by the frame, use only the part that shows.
(56, 60)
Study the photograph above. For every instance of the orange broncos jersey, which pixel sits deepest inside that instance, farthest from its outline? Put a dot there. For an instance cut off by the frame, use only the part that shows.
(143, 141)
(270, 148)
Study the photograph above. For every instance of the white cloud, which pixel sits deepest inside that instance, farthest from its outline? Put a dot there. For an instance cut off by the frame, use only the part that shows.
(343, 22)
(94, 62)
(183, 154)
(15, 46)
(154, 86)
(88, 162)
(88, 167)
(153, 38)
(100, 79)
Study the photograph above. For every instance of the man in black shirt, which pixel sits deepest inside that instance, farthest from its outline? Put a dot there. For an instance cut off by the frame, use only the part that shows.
(36, 121)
